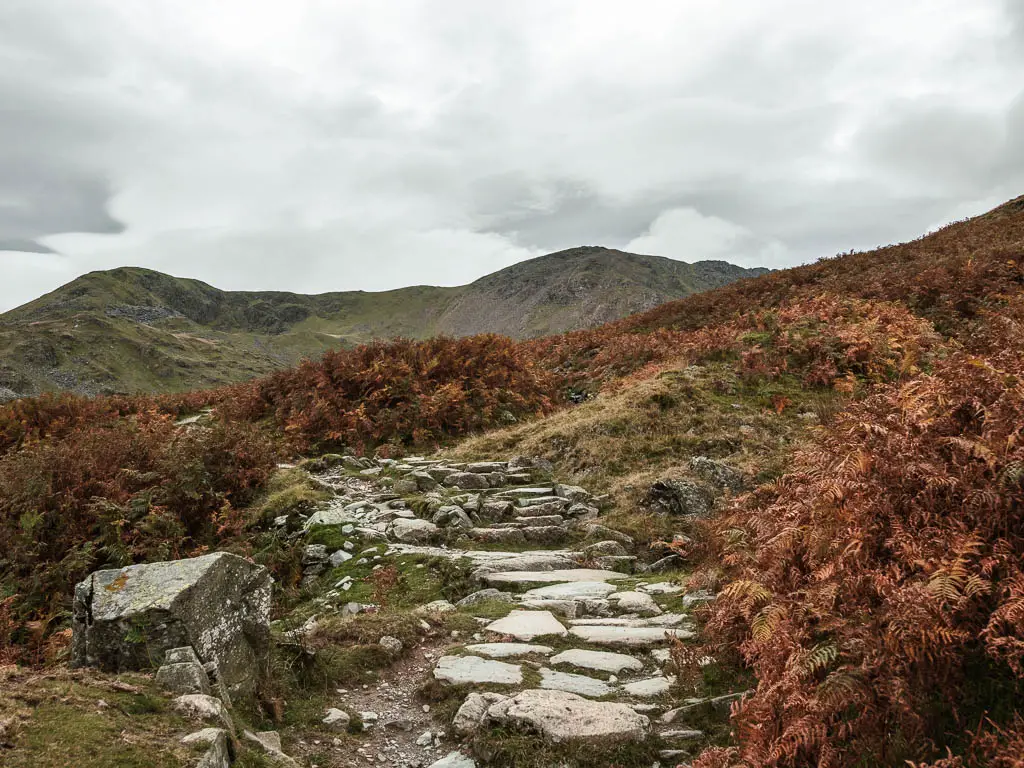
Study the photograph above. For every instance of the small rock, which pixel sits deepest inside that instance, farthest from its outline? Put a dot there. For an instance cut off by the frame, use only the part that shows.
(339, 557)
(472, 712)
(391, 644)
(337, 720)
(437, 606)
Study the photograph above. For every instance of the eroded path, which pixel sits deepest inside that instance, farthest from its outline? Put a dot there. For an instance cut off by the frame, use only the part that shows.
(567, 635)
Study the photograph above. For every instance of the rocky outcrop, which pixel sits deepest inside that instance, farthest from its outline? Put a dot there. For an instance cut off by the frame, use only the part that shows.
(219, 604)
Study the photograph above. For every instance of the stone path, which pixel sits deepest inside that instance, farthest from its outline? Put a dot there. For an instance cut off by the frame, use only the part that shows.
(578, 656)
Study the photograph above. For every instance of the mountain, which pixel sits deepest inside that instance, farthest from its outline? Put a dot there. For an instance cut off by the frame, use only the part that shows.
(133, 329)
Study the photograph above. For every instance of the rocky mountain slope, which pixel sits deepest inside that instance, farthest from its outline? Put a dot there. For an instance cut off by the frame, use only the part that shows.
(132, 329)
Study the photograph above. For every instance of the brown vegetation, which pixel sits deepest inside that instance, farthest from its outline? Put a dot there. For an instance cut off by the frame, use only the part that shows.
(877, 589)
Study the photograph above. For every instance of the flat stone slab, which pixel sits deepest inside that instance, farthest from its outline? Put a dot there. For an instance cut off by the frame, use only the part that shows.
(649, 688)
(578, 684)
(526, 625)
(554, 577)
(601, 661)
(665, 620)
(628, 637)
(508, 650)
(541, 560)
(515, 493)
(573, 590)
(460, 670)
(635, 602)
(559, 716)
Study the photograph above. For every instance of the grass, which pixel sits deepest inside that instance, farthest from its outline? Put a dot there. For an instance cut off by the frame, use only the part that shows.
(625, 439)
(290, 491)
(61, 722)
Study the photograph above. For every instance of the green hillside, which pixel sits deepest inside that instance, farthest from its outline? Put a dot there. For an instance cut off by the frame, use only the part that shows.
(133, 329)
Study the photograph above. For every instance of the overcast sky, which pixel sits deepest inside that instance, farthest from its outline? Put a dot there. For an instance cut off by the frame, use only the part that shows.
(316, 145)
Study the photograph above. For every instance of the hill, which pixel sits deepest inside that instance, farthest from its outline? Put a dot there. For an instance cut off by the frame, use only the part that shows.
(137, 330)
(819, 474)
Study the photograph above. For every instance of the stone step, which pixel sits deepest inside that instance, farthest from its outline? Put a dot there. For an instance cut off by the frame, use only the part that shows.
(581, 685)
(572, 590)
(524, 492)
(540, 510)
(535, 501)
(526, 625)
(508, 650)
(537, 534)
(545, 520)
(463, 670)
(629, 637)
(599, 661)
(551, 576)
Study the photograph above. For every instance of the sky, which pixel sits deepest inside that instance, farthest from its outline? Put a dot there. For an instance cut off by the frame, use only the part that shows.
(322, 145)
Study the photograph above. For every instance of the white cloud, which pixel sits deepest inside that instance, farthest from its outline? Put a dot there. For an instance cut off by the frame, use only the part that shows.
(310, 145)
(685, 234)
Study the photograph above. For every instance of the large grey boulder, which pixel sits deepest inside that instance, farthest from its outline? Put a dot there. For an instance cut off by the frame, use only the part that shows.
(679, 497)
(219, 604)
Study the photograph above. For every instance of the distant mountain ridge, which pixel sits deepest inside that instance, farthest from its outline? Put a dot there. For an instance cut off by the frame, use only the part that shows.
(132, 329)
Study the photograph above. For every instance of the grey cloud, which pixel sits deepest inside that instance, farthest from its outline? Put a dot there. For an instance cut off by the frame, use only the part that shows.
(373, 145)
(23, 246)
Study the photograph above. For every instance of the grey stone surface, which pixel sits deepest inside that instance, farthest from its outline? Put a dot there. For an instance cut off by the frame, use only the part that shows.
(573, 590)
(566, 608)
(219, 604)
(466, 481)
(508, 650)
(270, 748)
(454, 760)
(679, 497)
(405, 486)
(198, 706)
(629, 637)
(338, 557)
(218, 753)
(581, 685)
(553, 576)
(559, 716)
(462, 670)
(609, 547)
(649, 688)
(526, 625)
(634, 602)
(336, 719)
(602, 661)
(413, 531)
(719, 474)
(471, 714)
(183, 677)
